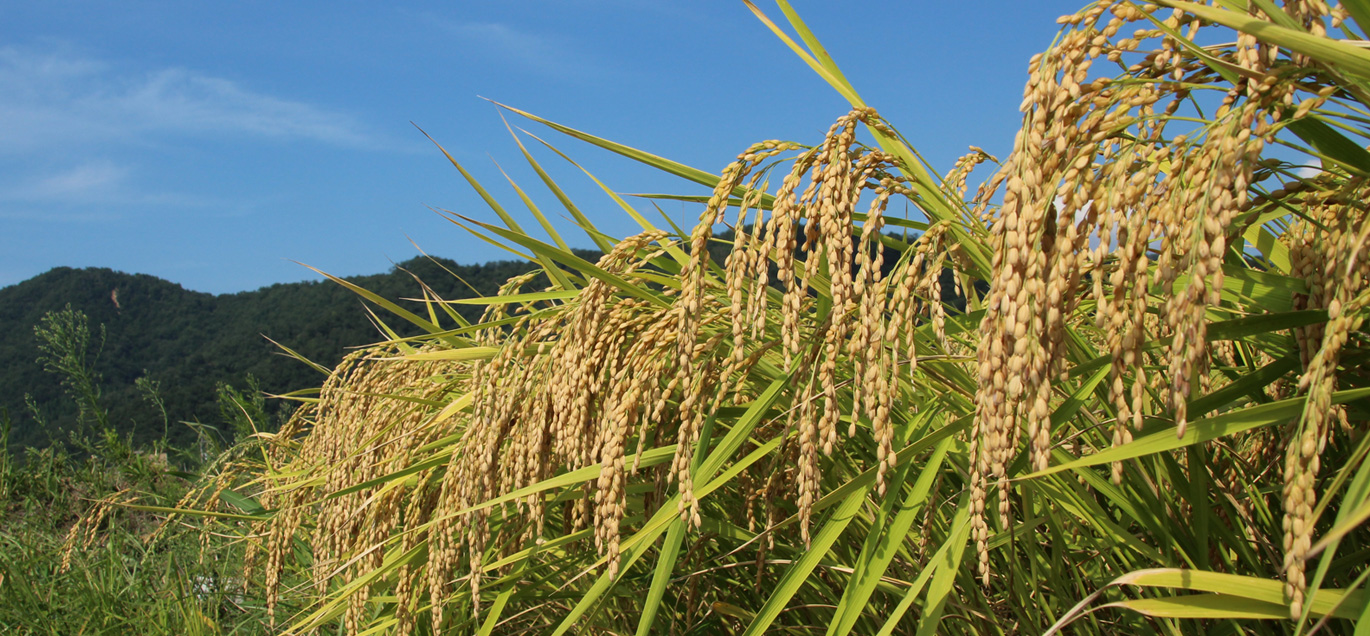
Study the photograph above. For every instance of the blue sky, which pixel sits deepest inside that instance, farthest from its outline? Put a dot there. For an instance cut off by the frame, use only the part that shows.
(213, 143)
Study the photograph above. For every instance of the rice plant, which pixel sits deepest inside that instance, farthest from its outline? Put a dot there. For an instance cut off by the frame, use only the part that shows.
(1118, 388)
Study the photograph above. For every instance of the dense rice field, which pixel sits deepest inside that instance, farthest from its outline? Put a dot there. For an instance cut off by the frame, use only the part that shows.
(1112, 383)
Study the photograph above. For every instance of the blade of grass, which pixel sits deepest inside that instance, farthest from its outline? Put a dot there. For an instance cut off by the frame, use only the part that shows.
(666, 165)
(670, 550)
(1210, 606)
(798, 573)
(939, 590)
(1334, 53)
(956, 541)
(392, 307)
(552, 271)
(298, 356)
(575, 262)
(678, 254)
(1332, 145)
(531, 297)
(882, 544)
(1202, 431)
(601, 243)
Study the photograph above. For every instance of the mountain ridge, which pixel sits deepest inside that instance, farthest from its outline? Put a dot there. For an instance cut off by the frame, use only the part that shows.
(189, 342)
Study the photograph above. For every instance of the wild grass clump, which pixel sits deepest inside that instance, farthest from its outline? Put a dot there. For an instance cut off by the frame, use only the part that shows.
(1156, 382)
(85, 544)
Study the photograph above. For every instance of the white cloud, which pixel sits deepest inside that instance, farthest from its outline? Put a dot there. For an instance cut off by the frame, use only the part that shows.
(69, 192)
(181, 100)
(1310, 171)
(89, 179)
(51, 100)
(546, 54)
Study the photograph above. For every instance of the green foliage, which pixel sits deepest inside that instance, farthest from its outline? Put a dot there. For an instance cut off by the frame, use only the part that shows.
(246, 411)
(82, 548)
(64, 343)
(6, 463)
(129, 575)
(151, 391)
(186, 343)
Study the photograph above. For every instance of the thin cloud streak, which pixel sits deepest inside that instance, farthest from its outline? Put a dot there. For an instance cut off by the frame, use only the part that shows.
(95, 178)
(547, 55)
(101, 183)
(51, 99)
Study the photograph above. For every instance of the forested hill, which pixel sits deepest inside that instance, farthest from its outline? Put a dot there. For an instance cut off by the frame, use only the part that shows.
(190, 342)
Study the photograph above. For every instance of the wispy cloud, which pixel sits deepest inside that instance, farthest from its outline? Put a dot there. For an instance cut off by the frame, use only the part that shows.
(182, 100)
(97, 178)
(52, 99)
(93, 190)
(551, 55)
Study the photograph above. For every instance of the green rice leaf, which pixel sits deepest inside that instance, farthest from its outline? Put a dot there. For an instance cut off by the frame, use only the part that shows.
(679, 255)
(1203, 430)
(1338, 55)
(940, 589)
(560, 294)
(882, 544)
(666, 165)
(574, 262)
(1332, 145)
(1246, 587)
(1212, 606)
(798, 572)
(392, 307)
(469, 353)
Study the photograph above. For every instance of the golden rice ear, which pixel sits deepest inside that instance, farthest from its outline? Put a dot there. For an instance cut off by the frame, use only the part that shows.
(1104, 212)
(1071, 179)
(1332, 248)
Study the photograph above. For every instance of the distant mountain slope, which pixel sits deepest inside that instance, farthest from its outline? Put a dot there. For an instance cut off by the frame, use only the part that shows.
(190, 341)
